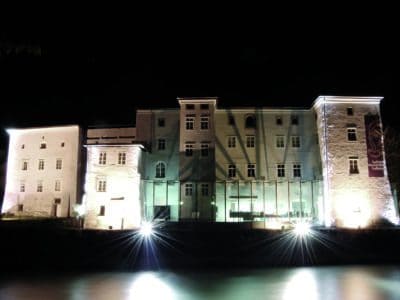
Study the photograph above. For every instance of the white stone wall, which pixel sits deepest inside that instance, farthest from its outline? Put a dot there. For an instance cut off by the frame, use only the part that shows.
(24, 145)
(351, 200)
(121, 200)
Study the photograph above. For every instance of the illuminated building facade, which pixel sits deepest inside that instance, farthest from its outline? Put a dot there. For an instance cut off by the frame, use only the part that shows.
(43, 171)
(323, 165)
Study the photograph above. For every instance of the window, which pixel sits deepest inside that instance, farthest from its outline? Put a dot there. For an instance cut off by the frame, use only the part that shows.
(188, 149)
(39, 187)
(204, 149)
(102, 158)
(122, 158)
(57, 200)
(353, 164)
(20, 207)
(161, 144)
(41, 164)
(62, 144)
(188, 189)
(250, 122)
(204, 189)
(350, 111)
(296, 170)
(231, 141)
(161, 122)
(280, 141)
(251, 170)
(23, 146)
(189, 106)
(101, 185)
(58, 164)
(43, 145)
(204, 106)
(250, 141)
(102, 211)
(24, 165)
(22, 187)
(231, 120)
(57, 186)
(295, 120)
(279, 121)
(280, 170)
(160, 170)
(204, 123)
(351, 134)
(189, 123)
(295, 141)
(231, 171)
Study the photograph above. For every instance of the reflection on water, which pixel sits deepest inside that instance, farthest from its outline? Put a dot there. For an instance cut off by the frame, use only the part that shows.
(352, 282)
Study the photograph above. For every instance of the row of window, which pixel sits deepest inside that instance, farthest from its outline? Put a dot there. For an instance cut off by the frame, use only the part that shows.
(43, 145)
(39, 187)
(24, 165)
(190, 123)
(251, 170)
(279, 141)
(204, 189)
(121, 158)
(204, 149)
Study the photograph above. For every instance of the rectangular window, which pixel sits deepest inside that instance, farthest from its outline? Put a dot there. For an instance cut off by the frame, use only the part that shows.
(204, 106)
(204, 189)
(22, 187)
(62, 144)
(42, 145)
(189, 123)
(102, 211)
(122, 158)
(204, 149)
(188, 189)
(251, 170)
(20, 207)
(295, 141)
(39, 187)
(57, 186)
(161, 144)
(296, 170)
(101, 185)
(350, 111)
(231, 171)
(57, 200)
(188, 149)
(279, 121)
(231, 120)
(351, 134)
(353, 164)
(161, 122)
(190, 106)
(102, 158)
(250, 141)
(280, 141)
(41, 164)
(24, 165)
(295, 120)
(231, 141)
(280, 168)
(58, 164)
(204, 123)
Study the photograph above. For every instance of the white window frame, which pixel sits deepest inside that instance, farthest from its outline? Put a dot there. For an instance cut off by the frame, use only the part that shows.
(189, 123)
(22, 187)
(250, 141)
(41, 164)
(24, 166)
(280, 171)
(161, 143)
(57, 186)
(350, 132)
(232, 141)
(122, 158)
(160, 169)
(204, 123)
(58, 164)
(103, 158)
(101, 185)
(232, 171)
(296, 168)
(188, 189)
(205, 189)
(39, 187)
(296, 141)
(353, 165)
(280, 141)
(251, 170)
(206, 148)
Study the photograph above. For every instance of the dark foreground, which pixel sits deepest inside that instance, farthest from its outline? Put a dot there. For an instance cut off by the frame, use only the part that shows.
(44, 247)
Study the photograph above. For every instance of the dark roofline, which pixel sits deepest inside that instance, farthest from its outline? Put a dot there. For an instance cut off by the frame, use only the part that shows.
(104, 126)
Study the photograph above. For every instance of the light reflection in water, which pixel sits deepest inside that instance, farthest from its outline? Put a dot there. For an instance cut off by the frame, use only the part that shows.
(148, 286)
(301, 285)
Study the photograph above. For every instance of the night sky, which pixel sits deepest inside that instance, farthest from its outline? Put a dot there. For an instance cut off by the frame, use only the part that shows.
(101, 74)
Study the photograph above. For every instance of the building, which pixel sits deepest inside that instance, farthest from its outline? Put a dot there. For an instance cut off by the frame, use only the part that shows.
(324, 165)
(43, 171)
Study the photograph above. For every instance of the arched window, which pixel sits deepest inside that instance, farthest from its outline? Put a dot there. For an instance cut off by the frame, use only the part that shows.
(160, 170)
(250, 121)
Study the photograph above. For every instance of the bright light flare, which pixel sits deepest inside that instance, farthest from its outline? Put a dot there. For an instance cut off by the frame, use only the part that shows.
(302, 229)
(146, 229)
